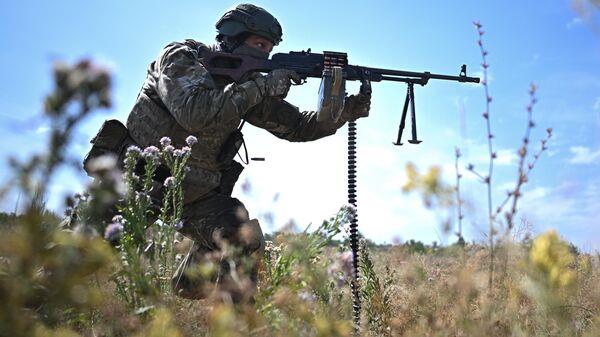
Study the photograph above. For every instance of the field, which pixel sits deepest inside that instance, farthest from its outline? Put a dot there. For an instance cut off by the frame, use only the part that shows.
(66, 285)
(86, 275)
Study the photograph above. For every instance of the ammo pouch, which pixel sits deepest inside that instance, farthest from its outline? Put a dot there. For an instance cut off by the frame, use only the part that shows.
(231, 147)
(229, 177)
(112, 138)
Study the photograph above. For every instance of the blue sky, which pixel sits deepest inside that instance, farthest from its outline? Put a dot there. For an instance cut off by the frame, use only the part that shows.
(545, 42)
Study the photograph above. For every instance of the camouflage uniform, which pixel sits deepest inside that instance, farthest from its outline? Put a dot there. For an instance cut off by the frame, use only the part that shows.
(180, 98)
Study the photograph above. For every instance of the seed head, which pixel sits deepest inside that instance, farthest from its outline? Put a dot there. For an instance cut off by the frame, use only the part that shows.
(170, 181)
(191, 140)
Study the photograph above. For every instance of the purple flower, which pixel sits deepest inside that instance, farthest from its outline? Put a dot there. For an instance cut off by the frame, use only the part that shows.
(341, 268)
(151, 150)
(165, 141)
(170, 181)
(169, 149)
(186, 150)
(191, 140)
(178, 225)
(113, 231)
(134, 149)
(178, 153)
(307, 296)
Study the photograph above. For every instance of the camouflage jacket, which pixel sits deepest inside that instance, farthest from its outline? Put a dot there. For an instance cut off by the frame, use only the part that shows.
(180, 98)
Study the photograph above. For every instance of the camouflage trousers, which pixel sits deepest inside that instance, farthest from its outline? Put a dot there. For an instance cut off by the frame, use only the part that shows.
(224, 236)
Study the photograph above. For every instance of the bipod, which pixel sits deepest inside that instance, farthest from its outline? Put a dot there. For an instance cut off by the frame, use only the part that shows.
(410, 100)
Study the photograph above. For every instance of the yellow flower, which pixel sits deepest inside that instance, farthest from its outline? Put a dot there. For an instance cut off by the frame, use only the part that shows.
(551, 257)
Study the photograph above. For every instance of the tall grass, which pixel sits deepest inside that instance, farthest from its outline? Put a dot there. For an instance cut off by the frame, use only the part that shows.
(99, 275)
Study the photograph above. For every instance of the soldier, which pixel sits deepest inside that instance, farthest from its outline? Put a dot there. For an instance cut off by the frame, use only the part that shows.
(180, 98)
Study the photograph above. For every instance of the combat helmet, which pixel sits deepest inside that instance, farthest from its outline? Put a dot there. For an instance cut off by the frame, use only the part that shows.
(248, 18)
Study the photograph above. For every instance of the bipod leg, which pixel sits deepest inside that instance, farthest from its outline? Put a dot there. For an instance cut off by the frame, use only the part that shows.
(413, 117)
(403, 118)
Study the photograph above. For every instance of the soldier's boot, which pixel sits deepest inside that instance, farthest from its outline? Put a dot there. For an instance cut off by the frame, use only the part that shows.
(188, 280)
(237, 269)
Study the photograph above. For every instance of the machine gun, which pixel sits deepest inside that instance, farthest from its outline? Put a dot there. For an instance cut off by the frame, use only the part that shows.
(308, 64)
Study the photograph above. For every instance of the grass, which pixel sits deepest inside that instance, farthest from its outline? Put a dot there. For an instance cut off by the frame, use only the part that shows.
(98, 276)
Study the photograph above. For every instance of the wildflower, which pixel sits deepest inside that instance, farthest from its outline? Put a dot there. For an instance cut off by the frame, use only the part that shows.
(165, 141)
(341, 268)
(113, 231)
(178, 225)
(151, 151)
(191, 140)
(178, 153)
(186, 150)
(169, 149)
(551, 257)
(134, 150)
(170, 181)
(271, 248)
(307, 296)
(118, 219)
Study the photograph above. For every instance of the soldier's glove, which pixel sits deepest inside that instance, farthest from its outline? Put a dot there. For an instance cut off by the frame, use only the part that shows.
(277, 83)
(356, 106)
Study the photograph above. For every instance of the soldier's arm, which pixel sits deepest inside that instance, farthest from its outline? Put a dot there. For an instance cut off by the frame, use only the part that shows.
(189, 93)
(285, 121)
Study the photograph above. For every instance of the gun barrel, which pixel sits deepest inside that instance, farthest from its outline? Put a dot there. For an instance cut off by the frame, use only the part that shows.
(380, 74)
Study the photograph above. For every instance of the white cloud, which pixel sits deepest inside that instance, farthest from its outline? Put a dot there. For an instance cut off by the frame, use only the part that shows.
(42, 129)
(574, 22)
(596, 106)
(583, 155)
(571, 208)
(478, 154)
(106, 62)
(506, 157)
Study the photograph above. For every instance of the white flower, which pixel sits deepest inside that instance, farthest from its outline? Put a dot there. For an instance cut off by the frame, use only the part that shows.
(170, 181)
(191, 140)
(117, 219)
(169, 149)
(165, 141)
(186, 150)
(178, 153)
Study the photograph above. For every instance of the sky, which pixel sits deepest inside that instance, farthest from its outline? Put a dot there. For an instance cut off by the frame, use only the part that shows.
(541, 42)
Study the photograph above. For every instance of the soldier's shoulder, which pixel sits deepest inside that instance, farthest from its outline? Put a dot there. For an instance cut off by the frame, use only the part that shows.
(188, 45)
(185, 48)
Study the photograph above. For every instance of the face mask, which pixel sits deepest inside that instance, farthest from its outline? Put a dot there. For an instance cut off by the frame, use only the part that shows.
(247, 50)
